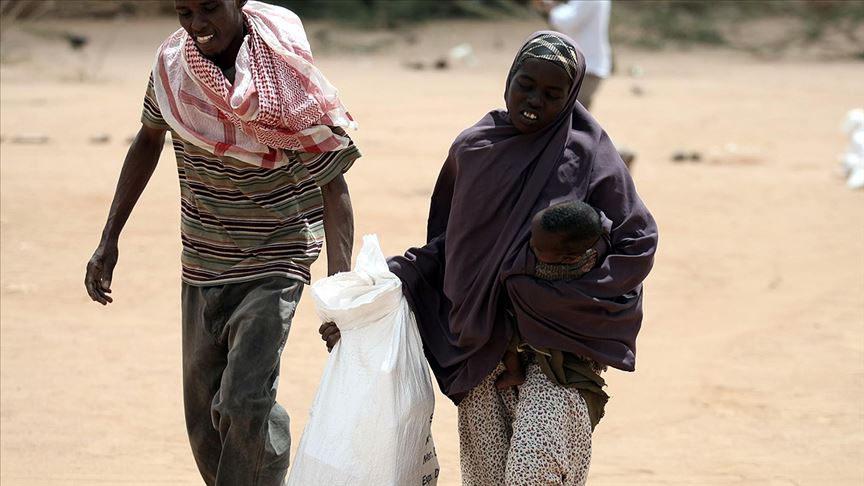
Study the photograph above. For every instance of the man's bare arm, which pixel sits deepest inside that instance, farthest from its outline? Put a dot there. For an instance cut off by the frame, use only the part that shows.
(141, 160)
(338, 225)
(339, 234)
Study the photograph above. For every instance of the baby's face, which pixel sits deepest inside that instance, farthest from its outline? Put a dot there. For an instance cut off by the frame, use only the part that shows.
(551, 247)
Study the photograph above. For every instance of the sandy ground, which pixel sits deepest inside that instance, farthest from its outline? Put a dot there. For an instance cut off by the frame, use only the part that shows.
(751, 359)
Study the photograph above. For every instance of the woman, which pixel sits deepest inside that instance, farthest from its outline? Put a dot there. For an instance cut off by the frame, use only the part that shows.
(474, 290)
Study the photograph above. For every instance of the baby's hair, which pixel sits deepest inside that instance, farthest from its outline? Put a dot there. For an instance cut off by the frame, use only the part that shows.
(579, 221)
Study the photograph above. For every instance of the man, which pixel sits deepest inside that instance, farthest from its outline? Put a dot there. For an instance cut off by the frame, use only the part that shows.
(261, 151)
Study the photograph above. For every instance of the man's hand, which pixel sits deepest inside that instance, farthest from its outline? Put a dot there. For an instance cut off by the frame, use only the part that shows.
(330, 334)
(100, 269)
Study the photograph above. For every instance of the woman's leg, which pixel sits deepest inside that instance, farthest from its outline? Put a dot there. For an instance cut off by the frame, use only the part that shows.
(484, 434)
(551, 443)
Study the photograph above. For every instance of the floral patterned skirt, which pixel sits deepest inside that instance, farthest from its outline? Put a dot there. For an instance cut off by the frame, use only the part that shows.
(536, 434)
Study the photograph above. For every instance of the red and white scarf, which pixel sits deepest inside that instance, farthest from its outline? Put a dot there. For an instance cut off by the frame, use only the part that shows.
(279, 99)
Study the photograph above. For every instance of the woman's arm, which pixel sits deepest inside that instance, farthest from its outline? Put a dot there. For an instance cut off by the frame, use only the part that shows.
(598, 315)
(442, 197)
(633, 234)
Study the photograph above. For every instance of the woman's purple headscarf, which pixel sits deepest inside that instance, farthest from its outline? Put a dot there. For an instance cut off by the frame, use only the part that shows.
(477, 261)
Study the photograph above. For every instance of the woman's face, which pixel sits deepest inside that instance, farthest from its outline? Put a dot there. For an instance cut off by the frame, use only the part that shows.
(537, 93)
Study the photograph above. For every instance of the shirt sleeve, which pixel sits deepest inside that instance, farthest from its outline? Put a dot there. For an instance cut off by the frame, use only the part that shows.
(151, 115)
(324, 167)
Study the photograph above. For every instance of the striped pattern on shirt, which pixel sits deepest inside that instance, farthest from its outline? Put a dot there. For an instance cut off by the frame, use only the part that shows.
(239, 222)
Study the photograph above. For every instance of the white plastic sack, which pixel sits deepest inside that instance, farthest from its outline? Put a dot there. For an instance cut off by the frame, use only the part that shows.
(370, 421)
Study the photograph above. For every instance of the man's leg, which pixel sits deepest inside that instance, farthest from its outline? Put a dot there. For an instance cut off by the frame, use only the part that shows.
(253, 428)
(204, 358)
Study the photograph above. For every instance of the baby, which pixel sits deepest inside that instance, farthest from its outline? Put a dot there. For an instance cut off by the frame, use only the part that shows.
(562, 239)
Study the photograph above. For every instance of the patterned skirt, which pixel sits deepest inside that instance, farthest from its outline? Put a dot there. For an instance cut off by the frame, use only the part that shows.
(536, 434)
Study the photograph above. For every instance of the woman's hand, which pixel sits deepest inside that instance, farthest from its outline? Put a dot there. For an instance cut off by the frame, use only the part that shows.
(330, 334)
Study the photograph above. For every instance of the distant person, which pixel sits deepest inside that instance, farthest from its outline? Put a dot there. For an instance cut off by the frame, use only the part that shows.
(563, 239)
(586, 22)
(474, 285)
(259, 138)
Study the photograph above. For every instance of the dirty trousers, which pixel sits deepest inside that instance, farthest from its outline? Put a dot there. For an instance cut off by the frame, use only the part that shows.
(233, 337)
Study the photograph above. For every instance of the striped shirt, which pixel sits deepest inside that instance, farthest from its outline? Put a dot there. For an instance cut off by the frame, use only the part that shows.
(239, 222)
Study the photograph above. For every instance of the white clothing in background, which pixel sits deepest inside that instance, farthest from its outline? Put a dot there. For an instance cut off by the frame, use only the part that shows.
(587, 22)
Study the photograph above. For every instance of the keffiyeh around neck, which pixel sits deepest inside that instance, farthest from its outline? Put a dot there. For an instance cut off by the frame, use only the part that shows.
(279, 99)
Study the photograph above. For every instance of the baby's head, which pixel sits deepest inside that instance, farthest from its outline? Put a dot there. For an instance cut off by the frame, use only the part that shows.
(564, 232)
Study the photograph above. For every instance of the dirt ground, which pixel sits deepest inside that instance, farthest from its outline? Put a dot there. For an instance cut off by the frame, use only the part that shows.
(751, 357)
